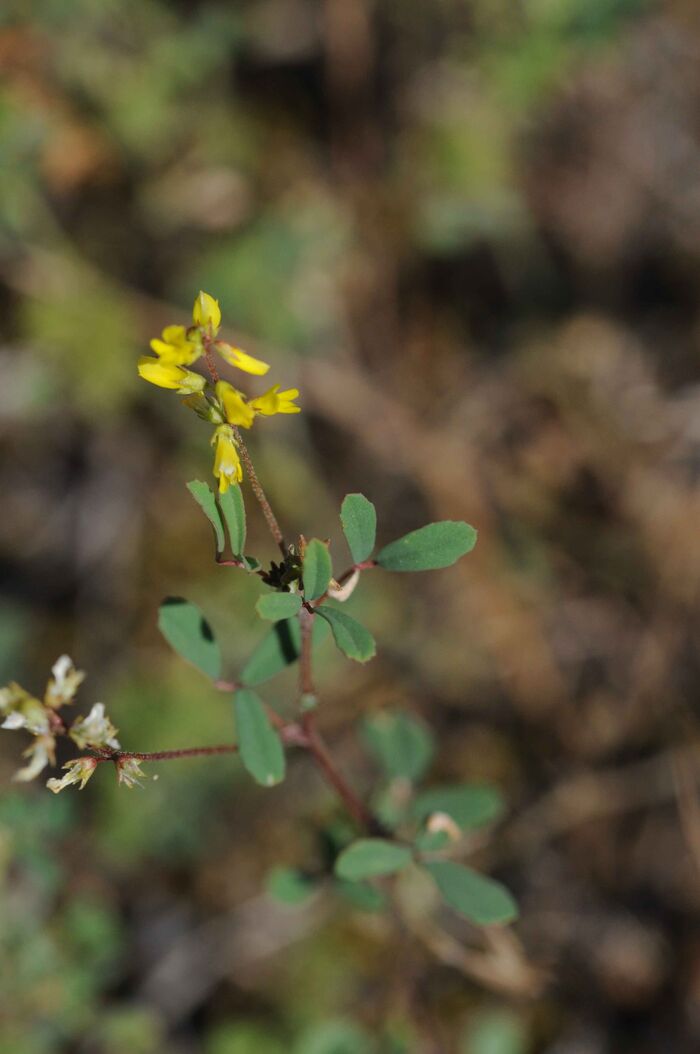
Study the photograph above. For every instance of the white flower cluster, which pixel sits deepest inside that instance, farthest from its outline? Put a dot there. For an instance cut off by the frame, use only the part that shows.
(20, 710)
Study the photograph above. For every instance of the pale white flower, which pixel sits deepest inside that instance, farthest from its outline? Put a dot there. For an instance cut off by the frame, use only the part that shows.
(64, 683)
(78, 771)
(95, 730)
(129, 772)
(22, 710)
(41, 753)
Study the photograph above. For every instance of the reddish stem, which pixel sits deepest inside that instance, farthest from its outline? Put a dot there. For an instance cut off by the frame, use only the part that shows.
(165, 755)
(315, 744)
(256, 486)
(314, 741)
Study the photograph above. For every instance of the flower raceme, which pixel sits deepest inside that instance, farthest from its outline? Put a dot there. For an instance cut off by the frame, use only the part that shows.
(95, 731)
(182, 347)
(218, 402)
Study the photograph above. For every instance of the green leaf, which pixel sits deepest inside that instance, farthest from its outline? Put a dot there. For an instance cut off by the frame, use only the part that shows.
(276, 606)
(289, 886)
(334, 1037)
(359, 519)
(431, 841)
(258, 743)
(351, 636)
(277, 650)
(403, 746)
(239, 1037)
(187, 631)
(371, 857)
(207, 502)
(232, 507)
(317, 569)
(495, 1032)
(469, 804)
(362, 895)
(479, 899)
(429, 548)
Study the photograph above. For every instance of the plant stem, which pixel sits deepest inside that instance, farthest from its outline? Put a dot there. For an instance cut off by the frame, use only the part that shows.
(317, 747)
(306, 678)
(314, 741)
(166, 755)
(259, 493)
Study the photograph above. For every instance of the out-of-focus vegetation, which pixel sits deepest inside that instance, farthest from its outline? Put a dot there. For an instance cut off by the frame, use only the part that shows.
(470, 233)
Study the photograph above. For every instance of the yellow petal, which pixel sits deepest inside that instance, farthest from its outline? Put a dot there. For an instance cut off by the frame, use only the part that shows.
(276, 402)
(235, 406)
(227, 463)
(170, 375)
(206, 312)
(241, 360)
(174, 334)
(175, 347)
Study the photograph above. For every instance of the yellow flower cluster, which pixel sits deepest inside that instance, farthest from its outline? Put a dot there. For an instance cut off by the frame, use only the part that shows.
(219, 402)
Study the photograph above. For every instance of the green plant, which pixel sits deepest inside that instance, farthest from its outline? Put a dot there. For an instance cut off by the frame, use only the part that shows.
(402, 828)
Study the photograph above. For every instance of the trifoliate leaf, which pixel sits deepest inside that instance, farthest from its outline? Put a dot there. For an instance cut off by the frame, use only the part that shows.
(276, 606)
(258, 743)
(278, 649)
(468, 804)
(371, 857)
(429, 548)
(233, 509)
(187, 631)
(403, 746)
(359, 519)
(351, 636)
(207, 502)
(479, 899)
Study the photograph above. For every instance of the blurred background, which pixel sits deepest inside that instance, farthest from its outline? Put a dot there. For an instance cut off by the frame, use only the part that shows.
(469, 231)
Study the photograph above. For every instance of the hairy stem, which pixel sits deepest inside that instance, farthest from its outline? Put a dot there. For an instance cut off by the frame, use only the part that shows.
(165, 755)
(270, 518)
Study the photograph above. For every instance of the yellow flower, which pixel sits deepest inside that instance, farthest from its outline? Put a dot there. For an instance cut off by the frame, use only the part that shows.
(170, 375)
(237, 410)
(79, 771)
(276, 402)
(175, 347)
(227, 463)
(207, 313)
(241, 359)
